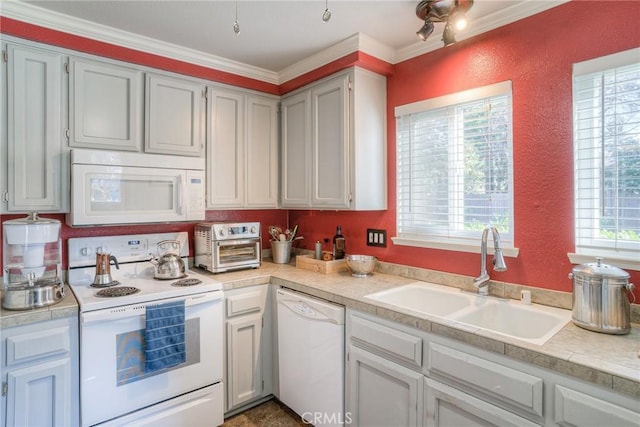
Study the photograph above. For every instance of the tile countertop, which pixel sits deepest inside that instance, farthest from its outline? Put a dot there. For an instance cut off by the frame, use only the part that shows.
(67, 307)
(611, 361)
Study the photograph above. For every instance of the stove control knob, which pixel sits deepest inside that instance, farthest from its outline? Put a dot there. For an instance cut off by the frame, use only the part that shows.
(252, 230)
(221, 231)
(86, 251)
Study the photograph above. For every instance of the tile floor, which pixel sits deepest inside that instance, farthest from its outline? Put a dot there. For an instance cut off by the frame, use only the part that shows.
(269, 414)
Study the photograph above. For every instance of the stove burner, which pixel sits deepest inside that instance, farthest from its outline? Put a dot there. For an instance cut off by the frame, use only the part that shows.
(105, 285)
(187, 282)
(170, 278)
(120, 291)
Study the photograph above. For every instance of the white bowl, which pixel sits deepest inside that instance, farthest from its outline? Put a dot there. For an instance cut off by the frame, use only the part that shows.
(361, 265)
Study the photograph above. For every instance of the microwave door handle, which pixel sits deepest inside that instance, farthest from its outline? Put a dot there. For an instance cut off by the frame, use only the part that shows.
(180, 195)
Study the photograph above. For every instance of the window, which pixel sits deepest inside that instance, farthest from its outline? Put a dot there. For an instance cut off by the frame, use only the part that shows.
(455, 168)
(606, 117)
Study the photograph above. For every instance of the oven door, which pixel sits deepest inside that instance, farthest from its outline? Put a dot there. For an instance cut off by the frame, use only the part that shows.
(113, 381)
(235, 254)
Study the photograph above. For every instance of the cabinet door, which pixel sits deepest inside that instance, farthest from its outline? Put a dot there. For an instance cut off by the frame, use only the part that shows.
(330, 144)
(447, 406)
(37, 158)
(40, 395)
(296, 154)
(226, 149)
(174, 113)
(244, 359)
(573, 408)
(382, 393)
(262, 153)
(105, 106)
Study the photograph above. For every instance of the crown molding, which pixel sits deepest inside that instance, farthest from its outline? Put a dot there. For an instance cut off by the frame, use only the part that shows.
(56, 21)
(357, 42)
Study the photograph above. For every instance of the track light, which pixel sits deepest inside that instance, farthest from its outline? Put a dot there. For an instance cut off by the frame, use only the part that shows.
(451, 12)
(236, 26)
(327, 13)
(426, 29)
(448, 35)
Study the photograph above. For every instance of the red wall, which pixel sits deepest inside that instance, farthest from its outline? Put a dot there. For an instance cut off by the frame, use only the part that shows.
(266, 217)
(535, 54)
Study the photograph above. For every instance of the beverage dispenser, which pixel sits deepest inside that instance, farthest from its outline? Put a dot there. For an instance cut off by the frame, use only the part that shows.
(32, 255)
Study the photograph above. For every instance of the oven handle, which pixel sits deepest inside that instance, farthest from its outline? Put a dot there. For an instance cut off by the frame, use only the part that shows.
(181, 195)
(133, 310)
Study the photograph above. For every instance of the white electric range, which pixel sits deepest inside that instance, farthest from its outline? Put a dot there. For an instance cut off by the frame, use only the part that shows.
(112, 337)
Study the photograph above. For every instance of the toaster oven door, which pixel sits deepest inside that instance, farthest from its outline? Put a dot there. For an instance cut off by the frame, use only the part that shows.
(236, 254)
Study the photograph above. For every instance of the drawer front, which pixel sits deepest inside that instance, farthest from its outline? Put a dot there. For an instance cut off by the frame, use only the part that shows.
(37, 345)
(245, 303)
(505, 384)
(573, 408)
(391, 342)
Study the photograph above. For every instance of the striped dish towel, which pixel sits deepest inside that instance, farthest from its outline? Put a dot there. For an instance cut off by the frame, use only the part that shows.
(164, 336)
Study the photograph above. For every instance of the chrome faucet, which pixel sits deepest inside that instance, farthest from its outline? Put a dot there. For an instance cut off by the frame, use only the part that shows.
(482, 281)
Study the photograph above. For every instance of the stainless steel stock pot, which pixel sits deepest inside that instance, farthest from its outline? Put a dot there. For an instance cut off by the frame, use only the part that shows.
(601, 295)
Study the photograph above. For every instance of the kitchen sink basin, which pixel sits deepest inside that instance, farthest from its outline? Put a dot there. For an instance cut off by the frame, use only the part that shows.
(426, 298)
(532, 323)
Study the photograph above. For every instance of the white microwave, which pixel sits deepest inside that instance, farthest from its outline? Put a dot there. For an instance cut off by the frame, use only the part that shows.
(111, 187)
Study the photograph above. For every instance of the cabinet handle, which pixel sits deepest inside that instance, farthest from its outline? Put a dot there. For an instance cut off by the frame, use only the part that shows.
(5, 389)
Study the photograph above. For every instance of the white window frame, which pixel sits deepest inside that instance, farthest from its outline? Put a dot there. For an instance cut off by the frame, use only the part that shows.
(466, 241)
(624, 254)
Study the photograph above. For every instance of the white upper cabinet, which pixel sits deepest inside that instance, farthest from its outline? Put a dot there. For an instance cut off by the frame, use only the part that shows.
(174, 109)
(330, 144)
(242, 150)
(262, 153)
(225, 148)
(296, 150)
(35, 148)
(105, 105)
(334, 143)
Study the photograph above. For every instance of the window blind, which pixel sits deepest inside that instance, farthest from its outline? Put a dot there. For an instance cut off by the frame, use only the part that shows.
(454, 166)
(606, 102)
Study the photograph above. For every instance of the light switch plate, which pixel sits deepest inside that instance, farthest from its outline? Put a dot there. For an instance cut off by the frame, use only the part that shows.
(376, 237)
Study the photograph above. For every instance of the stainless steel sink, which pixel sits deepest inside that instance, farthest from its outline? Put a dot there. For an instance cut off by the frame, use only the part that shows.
(532, 323)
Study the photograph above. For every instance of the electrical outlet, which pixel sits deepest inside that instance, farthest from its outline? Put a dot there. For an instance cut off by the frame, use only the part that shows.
(376, 237)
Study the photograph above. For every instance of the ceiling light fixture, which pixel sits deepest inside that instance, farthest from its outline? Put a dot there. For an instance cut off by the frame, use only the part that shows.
(451, 12)
(236, 26)
(327, 13)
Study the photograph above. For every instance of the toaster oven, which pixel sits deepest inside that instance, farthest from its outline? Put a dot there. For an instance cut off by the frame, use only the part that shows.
(224, 246)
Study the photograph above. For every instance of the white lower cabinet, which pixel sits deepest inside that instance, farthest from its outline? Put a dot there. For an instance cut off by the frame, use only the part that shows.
(40, 379)
(574, 408)
(382, 393)
(248, 346)
(448, 406)
(399, 375)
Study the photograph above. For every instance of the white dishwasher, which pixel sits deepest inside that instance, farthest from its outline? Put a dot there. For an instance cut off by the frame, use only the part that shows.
(311, 357)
